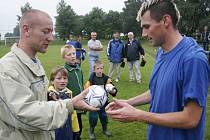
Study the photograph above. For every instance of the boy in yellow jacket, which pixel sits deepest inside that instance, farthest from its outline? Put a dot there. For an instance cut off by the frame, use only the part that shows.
(58, 91)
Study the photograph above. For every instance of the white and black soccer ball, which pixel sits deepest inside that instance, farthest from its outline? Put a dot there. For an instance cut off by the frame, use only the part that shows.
(96, 97)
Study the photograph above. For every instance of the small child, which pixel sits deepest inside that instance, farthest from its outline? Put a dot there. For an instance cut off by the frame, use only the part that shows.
(75, 75)
(80, 52)
(58, 91)
(98, 78)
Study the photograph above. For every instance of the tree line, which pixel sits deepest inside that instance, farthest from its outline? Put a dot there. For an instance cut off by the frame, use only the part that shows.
(194, 15)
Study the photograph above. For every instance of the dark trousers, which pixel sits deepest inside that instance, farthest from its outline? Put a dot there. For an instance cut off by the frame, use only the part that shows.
(65, 132)
(79, 117)
(93, 117)
(206, 46)
(76, 136)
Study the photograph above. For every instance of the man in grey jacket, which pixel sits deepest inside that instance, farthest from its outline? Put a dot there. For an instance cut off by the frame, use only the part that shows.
(25, 113)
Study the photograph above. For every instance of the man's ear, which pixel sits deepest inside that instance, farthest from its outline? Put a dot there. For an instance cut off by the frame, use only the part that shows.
(26, 30)
(167, 20)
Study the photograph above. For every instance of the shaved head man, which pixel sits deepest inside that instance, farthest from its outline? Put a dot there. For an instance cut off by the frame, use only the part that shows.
(36, 29)
(25, 112)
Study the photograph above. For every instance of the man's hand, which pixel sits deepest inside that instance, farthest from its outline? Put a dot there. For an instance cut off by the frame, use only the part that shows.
(120, 110)
(79, 103)
(52, 96)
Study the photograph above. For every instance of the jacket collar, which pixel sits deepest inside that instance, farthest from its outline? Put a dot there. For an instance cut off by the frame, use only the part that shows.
(35, 67)
(65, 90)
(70, 68)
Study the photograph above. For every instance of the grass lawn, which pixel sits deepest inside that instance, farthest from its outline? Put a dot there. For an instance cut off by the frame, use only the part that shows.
(120, 131)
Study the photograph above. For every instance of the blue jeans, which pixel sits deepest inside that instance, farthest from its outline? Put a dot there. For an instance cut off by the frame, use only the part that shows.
(93, 117)
(92, 60)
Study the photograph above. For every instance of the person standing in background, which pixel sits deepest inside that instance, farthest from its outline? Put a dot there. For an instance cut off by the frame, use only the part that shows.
(95, 47)
(133, 53)
(115, 55)
(80, 52)
(205, 37)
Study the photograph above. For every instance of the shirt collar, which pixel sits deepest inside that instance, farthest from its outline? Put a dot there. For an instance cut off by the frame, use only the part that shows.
(35, 67)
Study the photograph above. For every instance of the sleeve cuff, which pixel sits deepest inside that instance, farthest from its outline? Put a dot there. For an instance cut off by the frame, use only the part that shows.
(69, 105)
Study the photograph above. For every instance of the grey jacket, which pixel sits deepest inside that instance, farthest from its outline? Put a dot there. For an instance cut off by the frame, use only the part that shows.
(25, 113)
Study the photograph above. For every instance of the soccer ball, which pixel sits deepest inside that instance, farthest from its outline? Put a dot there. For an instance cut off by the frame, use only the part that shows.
(96, 97)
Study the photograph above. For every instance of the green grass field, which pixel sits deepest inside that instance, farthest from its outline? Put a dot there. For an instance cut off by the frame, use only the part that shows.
(120, 131)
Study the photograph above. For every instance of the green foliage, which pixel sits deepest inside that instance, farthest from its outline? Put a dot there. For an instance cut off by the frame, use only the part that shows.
(129, 15)
(94, 21)
(8, 35)
(25, 8)
(65, 21)
(79, 25)
(113, 22)
(194, 15)
(16, 31)
(106, 23)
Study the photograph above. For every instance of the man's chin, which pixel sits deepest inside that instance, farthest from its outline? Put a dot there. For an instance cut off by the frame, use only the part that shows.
(43, 51)
(155, 44)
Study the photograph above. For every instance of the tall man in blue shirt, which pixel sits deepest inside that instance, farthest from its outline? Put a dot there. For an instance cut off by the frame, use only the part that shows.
(179, 82)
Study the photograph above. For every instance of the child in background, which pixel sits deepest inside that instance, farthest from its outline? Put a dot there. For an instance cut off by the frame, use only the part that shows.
(58, 91)
(80, 52)
(98, 78)
(75, 76)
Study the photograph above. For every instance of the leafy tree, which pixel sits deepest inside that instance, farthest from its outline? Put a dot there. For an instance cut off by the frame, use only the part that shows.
(79, 25)
(66, 20)
(112, 22)
(194, 15)
(16, 31)
(94, 21)
(8, 35)
(129, 14)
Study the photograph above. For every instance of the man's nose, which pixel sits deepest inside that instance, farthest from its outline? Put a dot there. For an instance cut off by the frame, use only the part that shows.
(144, 34)
(51, 38)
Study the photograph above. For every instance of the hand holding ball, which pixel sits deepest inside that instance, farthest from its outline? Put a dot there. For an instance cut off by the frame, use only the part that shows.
(111, 89)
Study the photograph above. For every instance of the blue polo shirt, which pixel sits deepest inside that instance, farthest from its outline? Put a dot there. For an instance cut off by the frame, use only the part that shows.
(179, 76)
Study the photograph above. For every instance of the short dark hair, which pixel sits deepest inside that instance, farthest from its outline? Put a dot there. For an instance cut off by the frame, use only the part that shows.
(56, 70)
(159, 8)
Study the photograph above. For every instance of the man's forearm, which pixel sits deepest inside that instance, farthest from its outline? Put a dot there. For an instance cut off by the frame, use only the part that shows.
(144, 98)
(186, 119)
(96, 48)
